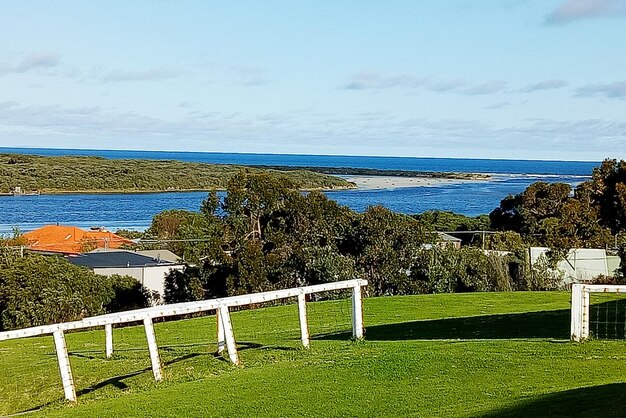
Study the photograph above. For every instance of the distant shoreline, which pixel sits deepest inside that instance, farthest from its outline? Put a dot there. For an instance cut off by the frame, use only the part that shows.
(375, 172)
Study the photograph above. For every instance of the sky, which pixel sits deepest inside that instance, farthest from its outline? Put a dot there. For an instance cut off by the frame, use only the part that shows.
(516, 79)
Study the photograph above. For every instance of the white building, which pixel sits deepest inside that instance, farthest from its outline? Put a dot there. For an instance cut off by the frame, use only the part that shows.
(148, 271)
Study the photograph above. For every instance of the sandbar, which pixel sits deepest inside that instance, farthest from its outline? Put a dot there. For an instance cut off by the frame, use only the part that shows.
(391, 182)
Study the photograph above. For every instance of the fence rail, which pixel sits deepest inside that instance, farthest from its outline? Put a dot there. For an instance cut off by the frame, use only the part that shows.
(225, 334)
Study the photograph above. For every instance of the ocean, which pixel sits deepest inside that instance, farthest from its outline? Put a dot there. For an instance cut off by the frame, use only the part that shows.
(135, 211)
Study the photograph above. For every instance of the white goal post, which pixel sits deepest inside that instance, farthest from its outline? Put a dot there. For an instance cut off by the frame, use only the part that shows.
(580, 310)
(225, 334)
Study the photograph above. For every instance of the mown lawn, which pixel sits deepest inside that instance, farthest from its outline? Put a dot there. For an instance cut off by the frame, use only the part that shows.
(466, 355)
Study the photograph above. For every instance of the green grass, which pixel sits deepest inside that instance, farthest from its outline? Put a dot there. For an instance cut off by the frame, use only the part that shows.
(466, 355)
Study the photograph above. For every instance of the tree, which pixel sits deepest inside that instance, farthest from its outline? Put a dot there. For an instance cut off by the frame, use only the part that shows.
(548, 214)
(128, 294)
(607, 191)
(183, 286)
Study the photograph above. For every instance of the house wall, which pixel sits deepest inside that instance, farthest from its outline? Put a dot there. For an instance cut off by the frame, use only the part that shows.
(580, 265)
(151, 277)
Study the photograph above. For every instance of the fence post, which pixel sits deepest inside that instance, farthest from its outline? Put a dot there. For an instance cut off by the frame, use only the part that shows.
(585, 310)
(108, 343)
(64, 365)
(357, 313)
(231, 346)
(304, 324)
(153, 348)
(221, 342)
(576, 313)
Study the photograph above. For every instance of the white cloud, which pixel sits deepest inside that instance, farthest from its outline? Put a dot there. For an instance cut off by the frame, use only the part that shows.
(490, 87)
(375, 80)
(571, 10)
(153, 74)
(34, 61)
(363, 133)
(544, 85)
(615, 90)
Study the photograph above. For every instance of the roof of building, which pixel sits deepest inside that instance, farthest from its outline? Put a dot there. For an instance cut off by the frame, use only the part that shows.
(116, 259)
(164, 255)
(72, 240)
(447, 237)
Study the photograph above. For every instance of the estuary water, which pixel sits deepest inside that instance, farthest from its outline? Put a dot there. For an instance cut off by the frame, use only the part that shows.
(135, 211)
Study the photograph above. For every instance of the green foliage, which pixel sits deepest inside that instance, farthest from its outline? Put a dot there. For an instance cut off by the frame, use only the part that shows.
(547, 214)
(450, 221)
(96, 174)
(128, 294)
(183, 286)
(37, 290)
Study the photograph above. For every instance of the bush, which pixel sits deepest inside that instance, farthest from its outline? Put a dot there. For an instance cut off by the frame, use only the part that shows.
(183, 286)
(129, 294)
(37, 290)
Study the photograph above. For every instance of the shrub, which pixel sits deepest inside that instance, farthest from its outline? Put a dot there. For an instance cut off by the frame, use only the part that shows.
(129, 294)
(37, 290)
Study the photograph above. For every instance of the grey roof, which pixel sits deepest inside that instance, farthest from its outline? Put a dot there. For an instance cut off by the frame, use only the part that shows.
(163, 255)
(446, 237)
(116, 259)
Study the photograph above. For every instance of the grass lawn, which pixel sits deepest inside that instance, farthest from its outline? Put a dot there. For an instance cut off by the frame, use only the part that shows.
(465, 355)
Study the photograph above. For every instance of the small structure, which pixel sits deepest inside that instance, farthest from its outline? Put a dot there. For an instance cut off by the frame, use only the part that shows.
(72, 240)
(448, 241)
(148, 271)
(17, 191)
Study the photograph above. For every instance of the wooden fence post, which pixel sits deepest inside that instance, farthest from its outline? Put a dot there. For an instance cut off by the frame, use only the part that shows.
(357, 313)
(304, 324)
(231, 346)
(576, 313)
(153, 348)
(585, 311)
(108, 343)
(221, 342)
(64, 365)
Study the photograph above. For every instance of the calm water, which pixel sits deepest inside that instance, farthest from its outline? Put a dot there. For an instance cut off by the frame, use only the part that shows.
(135, 211)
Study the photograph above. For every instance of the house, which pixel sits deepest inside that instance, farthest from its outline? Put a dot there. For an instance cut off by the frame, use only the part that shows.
(72, 240)
(148, 271)
(448, 241)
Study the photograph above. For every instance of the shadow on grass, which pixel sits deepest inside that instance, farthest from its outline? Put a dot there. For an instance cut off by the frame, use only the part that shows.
(595, 401)
(118, 381)
(542, 324)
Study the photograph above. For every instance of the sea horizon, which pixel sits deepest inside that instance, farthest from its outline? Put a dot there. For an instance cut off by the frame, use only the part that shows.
(124, 150)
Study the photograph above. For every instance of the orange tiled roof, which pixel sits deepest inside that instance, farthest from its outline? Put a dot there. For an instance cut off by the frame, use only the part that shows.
(71, 239)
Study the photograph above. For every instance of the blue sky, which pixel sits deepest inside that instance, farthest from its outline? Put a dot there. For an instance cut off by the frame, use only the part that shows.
(514, 79)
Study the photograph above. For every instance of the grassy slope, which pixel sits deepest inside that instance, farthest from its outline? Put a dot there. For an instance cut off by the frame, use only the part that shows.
(96, 174)
(435, 355)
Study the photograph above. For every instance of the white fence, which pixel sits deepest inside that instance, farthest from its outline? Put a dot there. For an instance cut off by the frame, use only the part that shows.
(225, 334)
(580, 311)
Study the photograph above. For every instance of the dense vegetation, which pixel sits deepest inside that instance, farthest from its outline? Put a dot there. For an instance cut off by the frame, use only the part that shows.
(97, 174)
(264, 235)
(355, 171)
(593, 215)
(447, 355)
(37, 290)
